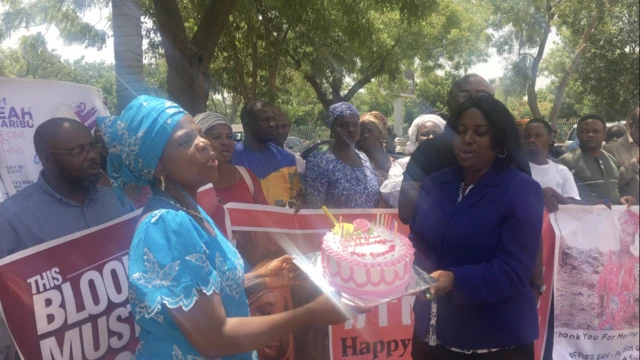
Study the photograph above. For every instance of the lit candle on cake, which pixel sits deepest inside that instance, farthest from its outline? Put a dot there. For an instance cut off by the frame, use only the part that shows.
(395, 229)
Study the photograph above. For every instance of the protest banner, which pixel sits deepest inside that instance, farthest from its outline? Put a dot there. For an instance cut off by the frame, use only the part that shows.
(548, 267)
(384, 333)
(596, 292)
(67, 299)
(25, 104)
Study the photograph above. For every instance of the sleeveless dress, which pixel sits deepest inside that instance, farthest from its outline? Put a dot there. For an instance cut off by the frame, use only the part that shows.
(171, 257)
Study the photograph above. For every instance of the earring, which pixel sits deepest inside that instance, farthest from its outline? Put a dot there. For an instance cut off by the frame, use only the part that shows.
(162, 182)
(502, 153)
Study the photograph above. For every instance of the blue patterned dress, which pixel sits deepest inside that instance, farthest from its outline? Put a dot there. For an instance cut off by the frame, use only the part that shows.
(170, 258)
(336, 185)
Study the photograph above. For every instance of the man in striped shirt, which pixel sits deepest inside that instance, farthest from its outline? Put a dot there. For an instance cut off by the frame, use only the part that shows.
(594, 170)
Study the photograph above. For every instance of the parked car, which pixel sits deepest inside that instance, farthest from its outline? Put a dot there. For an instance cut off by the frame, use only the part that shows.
(293, 142)
(323, 145)
(238, 132)
(309, 148)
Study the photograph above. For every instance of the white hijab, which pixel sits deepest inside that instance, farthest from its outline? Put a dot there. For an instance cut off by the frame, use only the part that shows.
(412, 145)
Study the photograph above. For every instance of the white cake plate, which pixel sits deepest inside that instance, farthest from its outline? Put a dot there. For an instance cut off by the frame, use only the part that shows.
(311, 264)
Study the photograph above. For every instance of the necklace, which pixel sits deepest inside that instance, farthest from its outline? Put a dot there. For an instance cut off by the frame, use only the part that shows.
(462, 193)
(188, 211)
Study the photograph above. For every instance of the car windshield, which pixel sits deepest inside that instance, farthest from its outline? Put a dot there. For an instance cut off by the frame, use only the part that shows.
(303, 147)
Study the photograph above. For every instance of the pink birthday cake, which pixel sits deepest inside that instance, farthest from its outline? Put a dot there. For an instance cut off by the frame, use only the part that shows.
(364, 259)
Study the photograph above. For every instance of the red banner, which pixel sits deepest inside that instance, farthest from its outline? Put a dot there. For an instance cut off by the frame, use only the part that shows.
(68, 298)
(384, 333)
(548, 264)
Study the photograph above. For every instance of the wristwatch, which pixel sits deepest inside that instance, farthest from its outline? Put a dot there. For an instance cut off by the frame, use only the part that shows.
(539, 288)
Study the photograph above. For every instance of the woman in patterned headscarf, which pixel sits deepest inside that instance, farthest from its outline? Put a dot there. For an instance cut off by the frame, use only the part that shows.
(342, 177)
(186, 282)
(372, 142)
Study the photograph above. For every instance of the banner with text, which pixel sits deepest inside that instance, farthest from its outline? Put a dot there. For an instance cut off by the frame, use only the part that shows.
(67, 299)
(263, 233)
(596, 293)
(25, 104)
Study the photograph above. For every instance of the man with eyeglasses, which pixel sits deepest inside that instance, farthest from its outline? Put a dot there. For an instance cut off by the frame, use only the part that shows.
(437, 154)
(64, 200)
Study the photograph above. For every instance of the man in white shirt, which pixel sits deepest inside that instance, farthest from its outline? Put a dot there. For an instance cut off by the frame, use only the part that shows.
(558, 185)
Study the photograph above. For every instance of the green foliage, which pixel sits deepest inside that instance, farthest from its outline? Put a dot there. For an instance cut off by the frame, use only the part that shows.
(607, 80)
(339, 46)
(32, 59)
(609, 73)
(155, 78)
(67, 16)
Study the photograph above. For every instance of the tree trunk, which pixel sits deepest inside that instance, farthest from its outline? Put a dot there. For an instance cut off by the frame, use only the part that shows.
(127, 51)
(564, 82)
(532, 95)
(254, 69)
(235, 107)
(188, 60)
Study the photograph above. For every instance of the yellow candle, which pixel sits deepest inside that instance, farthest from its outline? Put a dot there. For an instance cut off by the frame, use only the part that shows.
(326, 212)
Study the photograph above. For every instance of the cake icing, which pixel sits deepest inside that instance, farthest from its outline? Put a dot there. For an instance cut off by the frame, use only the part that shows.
(364, 259)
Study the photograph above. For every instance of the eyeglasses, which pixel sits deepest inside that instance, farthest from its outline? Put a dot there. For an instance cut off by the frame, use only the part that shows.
(81, 150)
(464, 95)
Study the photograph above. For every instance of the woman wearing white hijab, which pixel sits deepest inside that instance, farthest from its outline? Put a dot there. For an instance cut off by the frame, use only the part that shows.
(424, 127)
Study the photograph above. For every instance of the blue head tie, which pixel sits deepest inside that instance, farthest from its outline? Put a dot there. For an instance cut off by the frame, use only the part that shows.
(136, 140)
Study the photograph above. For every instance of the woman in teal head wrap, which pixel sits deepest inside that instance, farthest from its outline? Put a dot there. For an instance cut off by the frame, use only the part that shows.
(186, 281)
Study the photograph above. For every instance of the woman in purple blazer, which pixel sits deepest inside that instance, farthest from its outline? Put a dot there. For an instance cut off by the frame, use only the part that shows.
(476, 228)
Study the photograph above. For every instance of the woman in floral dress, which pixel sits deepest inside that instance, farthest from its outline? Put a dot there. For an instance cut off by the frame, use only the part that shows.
(618, 282)
(342, 177)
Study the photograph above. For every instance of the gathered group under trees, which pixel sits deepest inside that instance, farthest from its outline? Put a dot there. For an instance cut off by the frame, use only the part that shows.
(305, 55)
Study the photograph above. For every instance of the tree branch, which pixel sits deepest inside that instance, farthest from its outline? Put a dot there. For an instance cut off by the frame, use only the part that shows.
(532, 95)
(170, 22)
(315, 84)
(366, 79)
(254, 69)
(211, 26)
(564, 82)
(239, 72)
(336, 85)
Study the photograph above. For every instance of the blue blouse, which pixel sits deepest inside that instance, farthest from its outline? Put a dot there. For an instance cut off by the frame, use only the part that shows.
(171, 257)
(336, 185)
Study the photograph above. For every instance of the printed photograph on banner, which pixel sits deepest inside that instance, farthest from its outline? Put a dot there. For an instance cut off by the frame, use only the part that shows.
(265, 254)
(608, 271)
(263, 235)
(597, 289)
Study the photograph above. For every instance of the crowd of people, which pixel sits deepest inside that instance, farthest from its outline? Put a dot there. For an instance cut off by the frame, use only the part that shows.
(473, 188)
